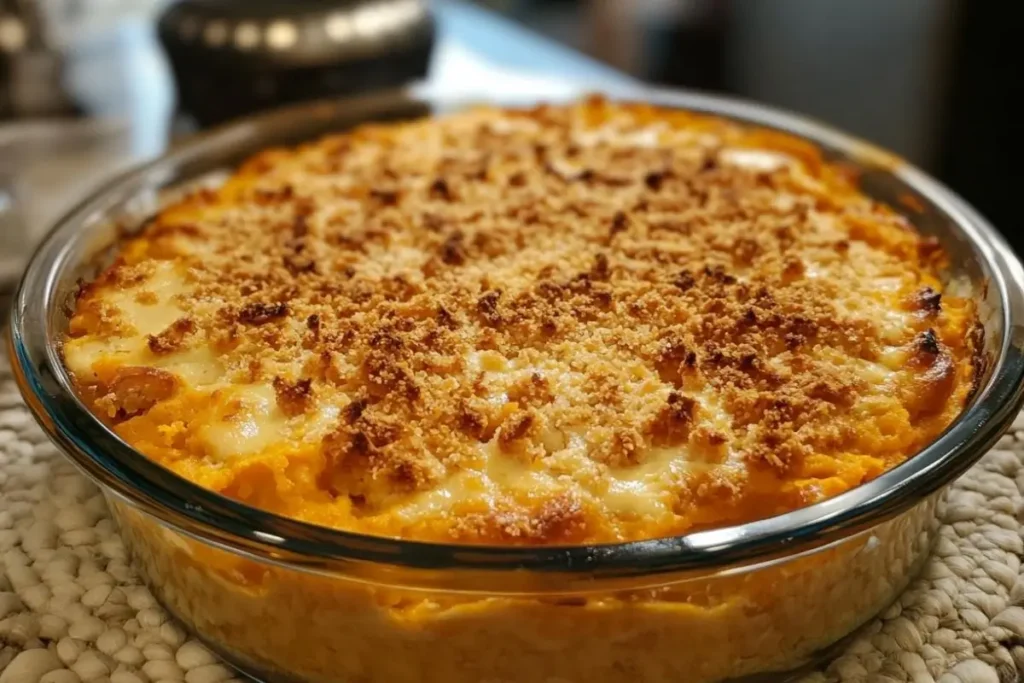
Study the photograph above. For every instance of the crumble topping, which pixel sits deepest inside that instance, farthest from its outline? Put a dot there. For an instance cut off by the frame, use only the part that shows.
(592, 322)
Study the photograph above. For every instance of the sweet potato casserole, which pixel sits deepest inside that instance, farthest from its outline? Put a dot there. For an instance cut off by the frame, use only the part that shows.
(566, 325)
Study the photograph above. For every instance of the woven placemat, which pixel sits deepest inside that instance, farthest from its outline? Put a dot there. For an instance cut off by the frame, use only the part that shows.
(73, 609)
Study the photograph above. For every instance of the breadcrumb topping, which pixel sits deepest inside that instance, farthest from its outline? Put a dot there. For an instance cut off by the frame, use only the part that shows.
(585, 323)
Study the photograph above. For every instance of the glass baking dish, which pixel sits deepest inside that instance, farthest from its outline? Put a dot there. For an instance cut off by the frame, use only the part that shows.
(286, 601)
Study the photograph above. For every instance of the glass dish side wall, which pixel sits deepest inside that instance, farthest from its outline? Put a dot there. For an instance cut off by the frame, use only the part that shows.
(283, 623)
(989, 271)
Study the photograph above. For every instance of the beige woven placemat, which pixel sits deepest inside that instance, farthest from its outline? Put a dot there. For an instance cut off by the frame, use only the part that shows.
(72, 609)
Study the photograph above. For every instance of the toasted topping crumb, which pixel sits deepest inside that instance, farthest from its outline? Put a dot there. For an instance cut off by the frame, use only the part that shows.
(927, 342)
(928, 300)
(293, 397)
(257, 313)
(172, 338)
(134, 390)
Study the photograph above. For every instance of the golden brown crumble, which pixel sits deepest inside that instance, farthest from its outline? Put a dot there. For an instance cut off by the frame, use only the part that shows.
(607, 282)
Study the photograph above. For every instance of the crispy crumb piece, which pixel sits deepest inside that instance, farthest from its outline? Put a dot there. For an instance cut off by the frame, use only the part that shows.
(258, 313)
(172, 338)
(294, 398)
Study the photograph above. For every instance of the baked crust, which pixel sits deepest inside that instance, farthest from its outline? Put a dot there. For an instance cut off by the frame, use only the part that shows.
(586, 323)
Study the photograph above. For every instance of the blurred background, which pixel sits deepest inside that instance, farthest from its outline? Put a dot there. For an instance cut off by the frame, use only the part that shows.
(88, 87)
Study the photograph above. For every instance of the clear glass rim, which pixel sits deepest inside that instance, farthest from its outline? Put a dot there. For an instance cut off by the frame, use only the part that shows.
(246, 530)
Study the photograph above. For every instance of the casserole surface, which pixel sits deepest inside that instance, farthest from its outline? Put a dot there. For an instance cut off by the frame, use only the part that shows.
(573, 324)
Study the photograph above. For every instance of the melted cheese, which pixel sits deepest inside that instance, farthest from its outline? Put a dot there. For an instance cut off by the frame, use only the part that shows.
(165, 284)
(247, 421)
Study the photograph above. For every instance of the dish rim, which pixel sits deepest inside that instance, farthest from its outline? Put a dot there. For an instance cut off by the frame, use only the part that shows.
(268, 537)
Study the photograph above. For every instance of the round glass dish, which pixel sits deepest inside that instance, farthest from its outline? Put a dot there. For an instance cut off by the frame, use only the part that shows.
(291, 601)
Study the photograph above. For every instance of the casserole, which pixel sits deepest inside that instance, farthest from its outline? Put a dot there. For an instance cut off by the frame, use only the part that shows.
(734, 601)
